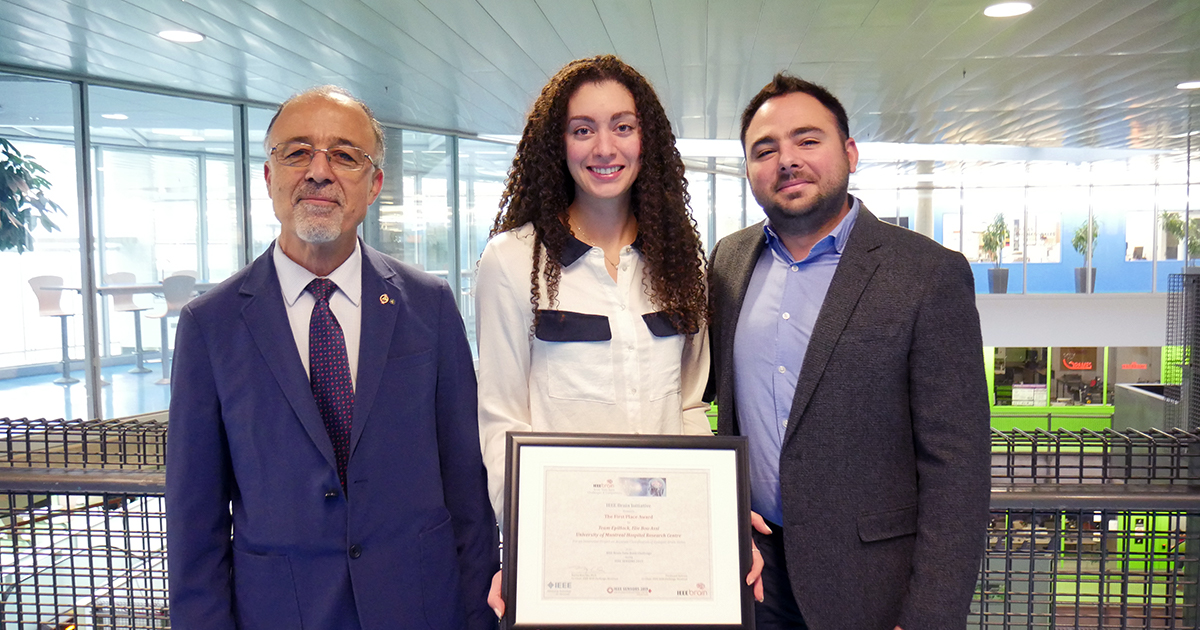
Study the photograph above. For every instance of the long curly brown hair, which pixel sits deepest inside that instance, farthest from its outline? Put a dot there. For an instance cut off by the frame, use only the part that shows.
(540, 189)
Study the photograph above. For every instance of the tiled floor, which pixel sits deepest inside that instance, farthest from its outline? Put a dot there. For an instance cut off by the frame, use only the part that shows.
(39, 397)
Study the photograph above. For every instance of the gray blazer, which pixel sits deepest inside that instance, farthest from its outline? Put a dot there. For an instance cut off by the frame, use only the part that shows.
(885, 462)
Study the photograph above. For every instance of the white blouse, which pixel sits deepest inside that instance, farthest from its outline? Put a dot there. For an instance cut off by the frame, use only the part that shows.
(595, 365)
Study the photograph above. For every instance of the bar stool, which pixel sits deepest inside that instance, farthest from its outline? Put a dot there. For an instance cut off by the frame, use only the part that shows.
(123, 303)
(48, 290)
(177, 290)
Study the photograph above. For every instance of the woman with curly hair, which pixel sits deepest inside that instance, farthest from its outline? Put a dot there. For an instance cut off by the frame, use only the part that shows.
(590, 298)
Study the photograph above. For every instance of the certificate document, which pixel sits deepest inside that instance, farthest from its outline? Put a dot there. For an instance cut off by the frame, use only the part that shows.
(628, 534)
(609, 532)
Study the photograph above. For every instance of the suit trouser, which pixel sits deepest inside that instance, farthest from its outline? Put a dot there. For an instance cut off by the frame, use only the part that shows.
(778, 610)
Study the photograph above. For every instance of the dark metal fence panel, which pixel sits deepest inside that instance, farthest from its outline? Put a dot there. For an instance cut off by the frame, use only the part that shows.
(1089, 530)
(82, 527)
(1087, 569)
(137, 442)
(1022, 459)
(82, 560)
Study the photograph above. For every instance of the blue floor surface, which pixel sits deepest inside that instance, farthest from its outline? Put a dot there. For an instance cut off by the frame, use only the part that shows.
(127, 395)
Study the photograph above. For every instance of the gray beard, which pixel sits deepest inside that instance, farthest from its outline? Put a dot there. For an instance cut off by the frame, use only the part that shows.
(317, 231)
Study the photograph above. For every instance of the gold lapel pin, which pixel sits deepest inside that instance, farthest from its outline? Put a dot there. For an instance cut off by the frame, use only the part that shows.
(383, 299)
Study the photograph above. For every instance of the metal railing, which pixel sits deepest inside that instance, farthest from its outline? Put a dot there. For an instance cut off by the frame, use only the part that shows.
(1089, 529)
(82, 528)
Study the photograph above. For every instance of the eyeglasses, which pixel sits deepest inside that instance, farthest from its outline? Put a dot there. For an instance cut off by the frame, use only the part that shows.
(342, 157)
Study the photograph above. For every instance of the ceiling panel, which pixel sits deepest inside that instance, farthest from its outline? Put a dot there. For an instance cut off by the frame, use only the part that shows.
(579, 26)
(1082, 73)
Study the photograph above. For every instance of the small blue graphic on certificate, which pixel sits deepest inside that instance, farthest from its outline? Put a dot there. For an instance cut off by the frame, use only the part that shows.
(644, 486)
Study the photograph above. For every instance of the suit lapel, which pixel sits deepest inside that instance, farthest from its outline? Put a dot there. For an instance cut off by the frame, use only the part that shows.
(739, 253)
(743, 255)
(267, 319)
(375, 337)
(858, 264)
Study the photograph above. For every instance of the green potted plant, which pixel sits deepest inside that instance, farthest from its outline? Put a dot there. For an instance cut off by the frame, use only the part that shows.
(1085, 238)
(1172, 224)
(23, 202)
(992, 241)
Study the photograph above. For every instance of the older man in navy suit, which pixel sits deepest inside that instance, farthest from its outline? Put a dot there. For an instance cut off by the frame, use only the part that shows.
(324, 457)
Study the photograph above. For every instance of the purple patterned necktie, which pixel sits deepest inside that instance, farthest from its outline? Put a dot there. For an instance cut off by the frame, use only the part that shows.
(330, 372)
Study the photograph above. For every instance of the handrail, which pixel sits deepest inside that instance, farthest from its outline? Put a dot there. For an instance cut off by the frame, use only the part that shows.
(83, 480)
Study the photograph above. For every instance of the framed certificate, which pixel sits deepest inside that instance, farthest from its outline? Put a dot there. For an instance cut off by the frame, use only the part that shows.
(628, 532)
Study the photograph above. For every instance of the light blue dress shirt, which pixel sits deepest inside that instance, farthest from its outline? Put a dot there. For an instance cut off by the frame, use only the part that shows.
(774, 327)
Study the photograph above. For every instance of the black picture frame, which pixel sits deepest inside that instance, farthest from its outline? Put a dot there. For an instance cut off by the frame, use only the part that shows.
(526, 453)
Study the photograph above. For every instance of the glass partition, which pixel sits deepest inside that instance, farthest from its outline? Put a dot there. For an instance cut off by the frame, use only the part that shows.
(482, 170)
(264, 227)
(729, 209)
(414, 208)
(700, 190)
(167, 199)
(1078, 375)
(1019, 377)
(166, 226)
(43, 324)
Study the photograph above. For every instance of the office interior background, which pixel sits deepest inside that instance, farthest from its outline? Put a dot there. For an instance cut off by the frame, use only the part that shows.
(1071, 131)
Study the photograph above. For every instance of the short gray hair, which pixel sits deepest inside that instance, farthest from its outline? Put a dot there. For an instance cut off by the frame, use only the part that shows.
(334, 91)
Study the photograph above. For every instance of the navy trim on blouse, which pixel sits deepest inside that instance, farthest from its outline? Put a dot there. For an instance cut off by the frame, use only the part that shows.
(660, 324)
(571, 326)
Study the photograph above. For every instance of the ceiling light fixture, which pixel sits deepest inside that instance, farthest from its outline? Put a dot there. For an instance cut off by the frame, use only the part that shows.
(115, 116)
(192, 138)
(1008, 9)
(181, 37)
(1189, 85)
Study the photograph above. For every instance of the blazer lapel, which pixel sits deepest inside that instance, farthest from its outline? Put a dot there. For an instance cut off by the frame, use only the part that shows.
(739, 253)
(742, 260)
(375, 337)
(859, 262)
(267, 320)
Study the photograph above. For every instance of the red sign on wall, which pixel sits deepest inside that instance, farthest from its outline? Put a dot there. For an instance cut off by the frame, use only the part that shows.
(1134, 366)
(1079, 358)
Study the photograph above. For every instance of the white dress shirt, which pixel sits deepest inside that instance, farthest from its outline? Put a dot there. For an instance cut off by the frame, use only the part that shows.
(346, 302)
(634, 383)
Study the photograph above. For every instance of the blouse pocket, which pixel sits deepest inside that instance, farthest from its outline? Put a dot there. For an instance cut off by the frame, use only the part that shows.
(578, 349)
(665, 360)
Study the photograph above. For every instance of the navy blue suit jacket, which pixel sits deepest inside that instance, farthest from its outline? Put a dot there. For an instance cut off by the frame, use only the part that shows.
(414, 543)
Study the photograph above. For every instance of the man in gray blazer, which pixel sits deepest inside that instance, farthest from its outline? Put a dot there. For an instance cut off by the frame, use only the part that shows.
(848, 351)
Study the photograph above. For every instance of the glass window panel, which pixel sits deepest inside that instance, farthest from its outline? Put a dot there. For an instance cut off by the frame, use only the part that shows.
(1139, 235)
(37, 118)
(220, 220)
(904, 208)
(1173, 217)
(1078, 375)
(148, 205)
(698, 188)
(1017, 374)
(482, 170)
(414, 209)
(947, 220)
(165, 204)
(730, 205)
(983, 207)
(264, 227)
(1053, 214)
(1134, 365)
(1122, 212)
